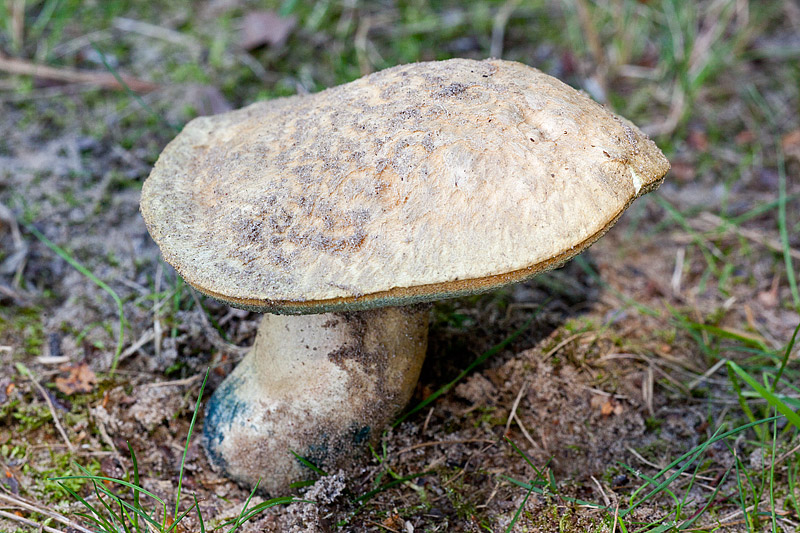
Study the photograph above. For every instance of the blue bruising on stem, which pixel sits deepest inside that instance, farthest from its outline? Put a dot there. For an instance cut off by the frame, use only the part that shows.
(317, 453)
(360, 434)
(320, 451)
(222, 410)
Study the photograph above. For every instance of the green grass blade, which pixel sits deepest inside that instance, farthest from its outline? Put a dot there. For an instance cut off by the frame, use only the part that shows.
(760, 210)
(688, 523)
(199, 515)
(544, 490)
(773, 400)
(785, 359)
(125, 518)
(669, 526)
(308, 464)
(263, 506)
(772, 476)
(179, 518)
(43, 19)
(739, 486)
(519, 510)
(740, 397)
(124, 505)
(728, 334)
(523, 484)
(109, 510)
(136, 503)
(301, 484)
(539, 473)
(365, 497)
(688, 458)
(477, 362)
(113, 480)
(186, 446)
(133, 94)
(244, 508)
(90, 518)
(650, 481)
(782, 227)
(592, 273)
(97, 281)
(792, 471)
(709, 251)
(99, 519)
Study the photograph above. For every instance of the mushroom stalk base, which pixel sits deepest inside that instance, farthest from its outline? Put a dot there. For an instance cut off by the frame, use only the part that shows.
(319, 386)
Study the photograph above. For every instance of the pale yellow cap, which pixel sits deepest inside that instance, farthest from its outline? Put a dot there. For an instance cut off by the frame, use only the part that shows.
(419, 182)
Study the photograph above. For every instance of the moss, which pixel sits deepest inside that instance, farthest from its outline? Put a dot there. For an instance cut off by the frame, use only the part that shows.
(458, 495)
(25, 328)
(190, 72)
(30, 416)
(559, 517)
(487, 414)
(61, 465)
(652, 423)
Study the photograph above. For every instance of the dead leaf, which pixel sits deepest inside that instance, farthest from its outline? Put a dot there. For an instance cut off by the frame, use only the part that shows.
(770, 297)
(393, 522)
(80, 379)
(265, 27)
(698, 140)
(683, 171)
(608, 406)
(791, 145)
(744, 137)
(10, 482)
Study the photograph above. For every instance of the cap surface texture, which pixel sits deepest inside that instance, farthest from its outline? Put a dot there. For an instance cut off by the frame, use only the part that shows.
(414, 183)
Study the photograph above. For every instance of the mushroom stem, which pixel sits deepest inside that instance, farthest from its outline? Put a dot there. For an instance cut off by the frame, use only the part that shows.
(321, 386)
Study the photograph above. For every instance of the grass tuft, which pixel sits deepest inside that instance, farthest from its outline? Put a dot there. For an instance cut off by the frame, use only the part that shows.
(115, 514)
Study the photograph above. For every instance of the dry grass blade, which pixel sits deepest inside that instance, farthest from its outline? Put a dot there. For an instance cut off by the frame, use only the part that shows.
(442, 442)
(31, 523)
(515, 406)
(27, 373)
(17, 501)
(709, 223)
(146, 337)
(499, 27)
(69, 75)
(213, 335)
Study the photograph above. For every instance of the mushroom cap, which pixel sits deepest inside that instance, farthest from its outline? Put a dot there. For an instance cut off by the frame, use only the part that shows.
(416, 183)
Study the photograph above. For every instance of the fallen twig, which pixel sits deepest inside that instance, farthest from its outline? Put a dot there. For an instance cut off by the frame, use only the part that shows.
(176, 383)
(213, 335)
(499, 27)
(28, 506)
(23, 520)
(146, 337)
(438, 442)
(514, 406)
(50, 406)
(709, 222)
(69, 75)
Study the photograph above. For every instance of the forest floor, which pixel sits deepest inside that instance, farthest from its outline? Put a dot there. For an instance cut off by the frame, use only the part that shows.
(648, 385)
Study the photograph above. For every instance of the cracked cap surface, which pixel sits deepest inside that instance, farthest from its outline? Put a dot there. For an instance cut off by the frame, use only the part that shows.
(419, 182)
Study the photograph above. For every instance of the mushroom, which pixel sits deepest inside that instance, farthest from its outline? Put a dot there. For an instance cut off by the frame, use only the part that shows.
(344, 212)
